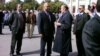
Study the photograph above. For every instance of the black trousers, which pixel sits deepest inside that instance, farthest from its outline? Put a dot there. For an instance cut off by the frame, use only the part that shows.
(0, 28)
(79, 44)
(16, 41)
(66, 46)
(44, 41)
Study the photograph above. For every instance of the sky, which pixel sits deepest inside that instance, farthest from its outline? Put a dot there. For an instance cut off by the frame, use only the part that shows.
(38, 0)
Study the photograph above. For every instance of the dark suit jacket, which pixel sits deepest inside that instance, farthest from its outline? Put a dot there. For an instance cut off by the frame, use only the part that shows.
(63, 34)
(15, 23)
(1, 17)
(91, 37)
(80, 22)
(45, 25)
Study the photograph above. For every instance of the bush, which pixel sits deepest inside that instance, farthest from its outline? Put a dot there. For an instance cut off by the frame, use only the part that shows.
(54, 6)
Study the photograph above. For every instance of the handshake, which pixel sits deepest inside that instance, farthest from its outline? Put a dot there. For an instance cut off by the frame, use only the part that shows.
(57, 24)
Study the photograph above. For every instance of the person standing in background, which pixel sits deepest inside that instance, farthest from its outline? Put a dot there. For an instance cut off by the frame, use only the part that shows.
(31, 21)
(80, 21)
(1, 20)
(17, 22)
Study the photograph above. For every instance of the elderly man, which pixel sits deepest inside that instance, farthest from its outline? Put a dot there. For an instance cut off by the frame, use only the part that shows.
(62, 43)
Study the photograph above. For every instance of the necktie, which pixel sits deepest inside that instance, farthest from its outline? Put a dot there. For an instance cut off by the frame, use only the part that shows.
(21, 20)
(48, 16)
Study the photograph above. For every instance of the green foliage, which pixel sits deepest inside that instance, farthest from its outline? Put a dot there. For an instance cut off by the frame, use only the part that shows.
(30, 5)
(27, 6)
(11, 5)
(54, 6)
(1, 6)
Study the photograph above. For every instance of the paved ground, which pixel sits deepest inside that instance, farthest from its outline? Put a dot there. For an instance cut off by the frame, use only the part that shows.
(30, 47)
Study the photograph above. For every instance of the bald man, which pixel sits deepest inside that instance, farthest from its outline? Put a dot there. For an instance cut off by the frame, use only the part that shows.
(46, 29)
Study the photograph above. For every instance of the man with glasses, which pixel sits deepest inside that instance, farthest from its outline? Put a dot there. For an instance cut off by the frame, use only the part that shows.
(80, 21)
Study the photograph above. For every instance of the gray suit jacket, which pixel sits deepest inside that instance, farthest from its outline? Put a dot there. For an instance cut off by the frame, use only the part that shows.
(15, 23)
(80, 22)
(91, 37)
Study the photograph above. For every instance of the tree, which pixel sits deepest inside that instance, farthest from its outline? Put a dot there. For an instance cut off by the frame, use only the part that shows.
(56, 0)
(27, 6)
(1, 6)
(54, 6)
(30, 5)
(11, 5)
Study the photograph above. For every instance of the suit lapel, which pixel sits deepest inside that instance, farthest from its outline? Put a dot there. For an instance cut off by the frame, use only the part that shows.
(47, 18)
(61, 18)
(97, 17)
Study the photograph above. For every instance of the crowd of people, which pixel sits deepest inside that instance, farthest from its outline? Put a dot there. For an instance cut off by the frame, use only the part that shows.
(86, 29)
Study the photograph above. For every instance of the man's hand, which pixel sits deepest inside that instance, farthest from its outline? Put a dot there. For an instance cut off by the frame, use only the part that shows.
(57, 23)
(41, 35)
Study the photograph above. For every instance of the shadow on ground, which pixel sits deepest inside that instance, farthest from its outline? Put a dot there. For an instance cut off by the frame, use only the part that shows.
(31, 52)
(34, 36)
(38, 52)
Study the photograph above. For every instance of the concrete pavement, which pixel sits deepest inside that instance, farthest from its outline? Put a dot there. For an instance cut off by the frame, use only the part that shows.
(30, 47)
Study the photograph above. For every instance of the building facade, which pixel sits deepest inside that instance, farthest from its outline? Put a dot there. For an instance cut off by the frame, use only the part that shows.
(74, 4)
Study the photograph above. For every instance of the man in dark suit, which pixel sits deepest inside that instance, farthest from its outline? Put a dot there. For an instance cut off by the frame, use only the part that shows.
(62, 43)
(17, 22)
(91, 34)
(1, 20)
(80, 21)
(46, 29)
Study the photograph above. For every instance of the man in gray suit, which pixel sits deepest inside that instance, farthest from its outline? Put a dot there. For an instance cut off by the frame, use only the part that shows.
(91, 34)
(17, 22)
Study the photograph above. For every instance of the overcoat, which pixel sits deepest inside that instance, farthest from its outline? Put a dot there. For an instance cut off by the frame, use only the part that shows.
(91, 37)
(62, 42)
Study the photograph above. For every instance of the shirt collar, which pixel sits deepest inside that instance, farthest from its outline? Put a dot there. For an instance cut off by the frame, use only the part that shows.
(81, 13)
(18, 12)
(98, 14)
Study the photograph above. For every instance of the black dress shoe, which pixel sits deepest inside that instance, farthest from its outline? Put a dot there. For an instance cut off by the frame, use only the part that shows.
(1, 33)
(49, 55)
(11, 54)
(18, 54)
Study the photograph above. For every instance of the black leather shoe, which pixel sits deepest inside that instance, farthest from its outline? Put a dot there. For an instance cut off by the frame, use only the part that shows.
(11, 54)
(18, 54)
(48, 54)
